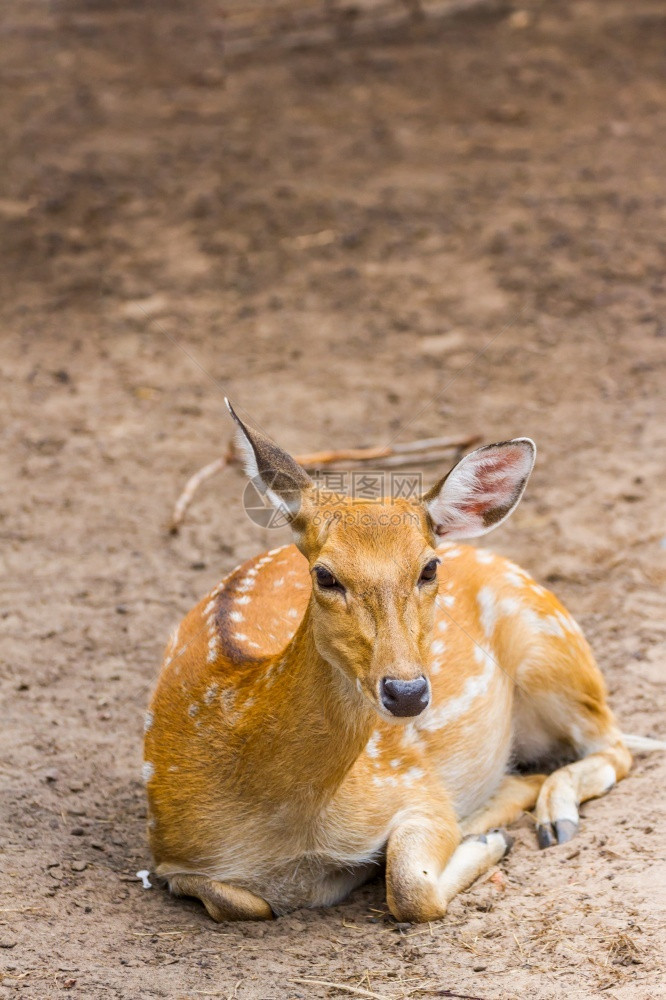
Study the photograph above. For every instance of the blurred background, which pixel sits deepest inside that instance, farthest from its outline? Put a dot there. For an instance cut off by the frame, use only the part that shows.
(363, 222)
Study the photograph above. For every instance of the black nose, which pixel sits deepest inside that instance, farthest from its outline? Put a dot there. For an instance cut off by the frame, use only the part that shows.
(405, 697)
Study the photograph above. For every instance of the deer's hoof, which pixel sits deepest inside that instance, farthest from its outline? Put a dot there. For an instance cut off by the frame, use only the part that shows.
(565, 829)
(506, 837)
(558, 832)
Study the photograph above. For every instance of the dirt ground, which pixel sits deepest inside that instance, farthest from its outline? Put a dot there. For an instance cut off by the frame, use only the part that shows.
(455, 227)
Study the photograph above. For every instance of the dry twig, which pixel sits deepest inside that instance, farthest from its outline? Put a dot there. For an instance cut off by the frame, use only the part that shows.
(424, 451)
(356, 990)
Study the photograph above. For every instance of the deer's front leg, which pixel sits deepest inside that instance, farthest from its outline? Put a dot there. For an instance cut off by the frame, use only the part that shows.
(427, 865)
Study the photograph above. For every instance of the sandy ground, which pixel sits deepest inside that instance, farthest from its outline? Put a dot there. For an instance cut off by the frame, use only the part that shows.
(332, 237)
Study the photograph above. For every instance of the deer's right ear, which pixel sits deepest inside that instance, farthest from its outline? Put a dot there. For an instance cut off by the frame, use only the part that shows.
(273, 471)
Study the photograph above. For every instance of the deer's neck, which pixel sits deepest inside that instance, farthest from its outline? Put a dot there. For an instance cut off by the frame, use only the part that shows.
(316, 724)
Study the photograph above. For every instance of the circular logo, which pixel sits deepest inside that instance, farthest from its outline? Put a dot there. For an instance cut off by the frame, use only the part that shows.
(258, 506)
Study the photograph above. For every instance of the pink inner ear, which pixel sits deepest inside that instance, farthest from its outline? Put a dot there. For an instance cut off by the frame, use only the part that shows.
(482, 490)
(498, 476)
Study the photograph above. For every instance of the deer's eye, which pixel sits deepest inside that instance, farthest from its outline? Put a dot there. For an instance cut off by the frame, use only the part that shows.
(429, 571)
(326, 580)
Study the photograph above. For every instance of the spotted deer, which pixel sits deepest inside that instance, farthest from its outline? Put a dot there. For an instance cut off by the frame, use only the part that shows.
(375, 693)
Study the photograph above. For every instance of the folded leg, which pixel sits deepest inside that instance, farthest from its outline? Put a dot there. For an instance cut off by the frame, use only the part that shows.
(427, 865)
(517, 794)
(222, 901)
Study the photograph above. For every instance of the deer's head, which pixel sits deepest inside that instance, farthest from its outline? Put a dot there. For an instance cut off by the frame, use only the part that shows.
(374, 564)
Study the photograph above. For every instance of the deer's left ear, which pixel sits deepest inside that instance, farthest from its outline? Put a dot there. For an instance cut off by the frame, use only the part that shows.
(482, 490)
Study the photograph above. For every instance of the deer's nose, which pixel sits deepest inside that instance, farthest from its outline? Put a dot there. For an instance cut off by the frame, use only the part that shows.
(404, 698)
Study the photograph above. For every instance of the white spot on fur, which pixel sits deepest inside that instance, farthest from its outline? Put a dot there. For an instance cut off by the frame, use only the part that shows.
(279, 582)
(548, 625)
(241, 636)
(236, 616)
(413, 774)
(395, 762)
(484, 557)
(148, 720)
(210, 693)
(451, 553)
(514, 579)
(384, 779)
(552, 625)
(209, 607)
(567, 622)
(411, 737)
(273, 552)
(437, 646)
(439, 715)
(293, 613)
(449, 600)
(243, 600)
(192, 710)
(442, 624)
(372, 748)
(487, 610)
(508, 606)
(147, 771)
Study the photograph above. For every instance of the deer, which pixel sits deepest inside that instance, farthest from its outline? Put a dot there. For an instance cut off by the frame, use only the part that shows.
(374, 694)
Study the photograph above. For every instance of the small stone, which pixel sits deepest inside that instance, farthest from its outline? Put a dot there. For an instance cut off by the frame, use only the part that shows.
(142, 309)
(79, 866)
(519, 20)
(498, 880)
(51, 775)
(122, 609)
(6, 942)
(441, 343)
